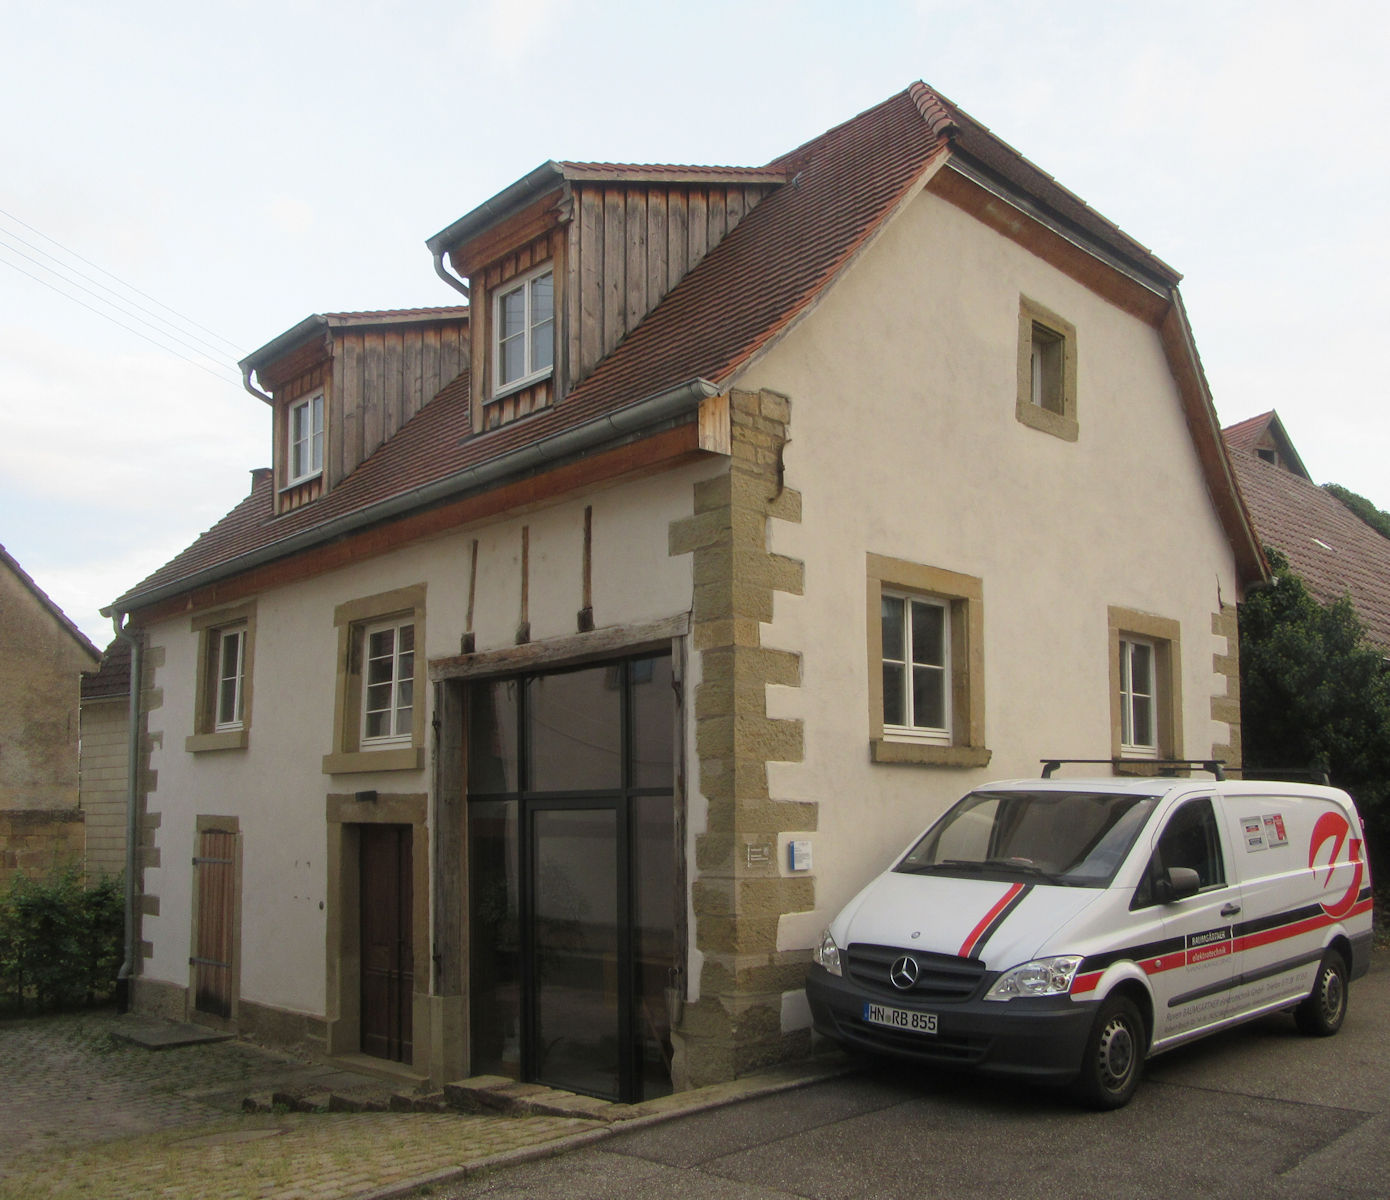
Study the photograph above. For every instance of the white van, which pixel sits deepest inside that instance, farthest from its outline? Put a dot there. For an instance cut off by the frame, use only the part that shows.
(1064, 929)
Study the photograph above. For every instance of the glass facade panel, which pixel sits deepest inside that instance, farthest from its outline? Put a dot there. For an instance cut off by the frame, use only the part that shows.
(492, 737)
(653, 706)
(494, 937)
(575, 731)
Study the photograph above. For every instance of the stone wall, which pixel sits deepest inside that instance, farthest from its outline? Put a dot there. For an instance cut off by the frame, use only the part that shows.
(738, 893)
(103, 784)
(34, 842)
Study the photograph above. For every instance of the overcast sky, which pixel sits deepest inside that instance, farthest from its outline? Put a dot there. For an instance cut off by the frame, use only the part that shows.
(245, 165)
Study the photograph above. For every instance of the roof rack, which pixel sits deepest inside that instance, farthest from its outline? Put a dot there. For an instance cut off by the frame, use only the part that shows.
(1166, 766)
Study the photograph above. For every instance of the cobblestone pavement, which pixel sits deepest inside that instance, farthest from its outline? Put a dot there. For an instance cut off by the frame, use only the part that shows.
(84, 1115)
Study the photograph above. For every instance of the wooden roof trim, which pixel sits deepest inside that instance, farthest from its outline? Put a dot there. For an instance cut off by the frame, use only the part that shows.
(520, 229)
(1069, 256)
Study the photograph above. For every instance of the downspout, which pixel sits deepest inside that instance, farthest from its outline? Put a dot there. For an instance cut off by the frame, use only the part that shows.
(132, 812)
(448, 276)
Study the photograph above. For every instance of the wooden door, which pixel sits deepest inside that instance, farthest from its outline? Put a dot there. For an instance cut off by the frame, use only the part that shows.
(388, 980)
(215, 868)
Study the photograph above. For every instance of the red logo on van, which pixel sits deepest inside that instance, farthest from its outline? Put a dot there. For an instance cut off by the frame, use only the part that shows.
(1333, 827)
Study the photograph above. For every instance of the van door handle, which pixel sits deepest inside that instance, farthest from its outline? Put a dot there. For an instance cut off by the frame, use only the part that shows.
(1229, 910)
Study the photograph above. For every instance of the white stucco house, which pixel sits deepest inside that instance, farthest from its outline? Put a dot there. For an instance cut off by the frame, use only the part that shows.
(739, 507)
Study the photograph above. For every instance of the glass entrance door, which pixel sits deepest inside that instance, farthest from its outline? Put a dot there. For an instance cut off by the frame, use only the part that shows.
(573, 877)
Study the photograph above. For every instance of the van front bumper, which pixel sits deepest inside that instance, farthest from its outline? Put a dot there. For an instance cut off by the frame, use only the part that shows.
(1040, 1039)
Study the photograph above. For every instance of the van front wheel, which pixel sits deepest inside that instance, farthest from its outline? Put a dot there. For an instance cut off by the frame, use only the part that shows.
(1323, 1012)
(1114, 1056)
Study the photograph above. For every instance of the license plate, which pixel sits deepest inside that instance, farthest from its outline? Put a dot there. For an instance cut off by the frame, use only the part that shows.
(900, 1018)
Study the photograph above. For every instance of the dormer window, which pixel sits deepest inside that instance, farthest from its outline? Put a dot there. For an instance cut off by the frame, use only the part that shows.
(524, 331)
(306, 439)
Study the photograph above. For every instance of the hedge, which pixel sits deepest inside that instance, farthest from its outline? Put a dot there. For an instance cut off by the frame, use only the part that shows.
(61, 942)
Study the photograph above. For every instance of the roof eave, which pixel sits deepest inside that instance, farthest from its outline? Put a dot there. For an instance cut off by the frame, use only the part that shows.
(671, 403)
(490, 212)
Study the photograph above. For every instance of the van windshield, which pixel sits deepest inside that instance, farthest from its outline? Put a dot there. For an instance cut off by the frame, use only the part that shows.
(1073, 839)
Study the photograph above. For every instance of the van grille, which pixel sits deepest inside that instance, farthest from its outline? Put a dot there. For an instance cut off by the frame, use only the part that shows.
(940, 977)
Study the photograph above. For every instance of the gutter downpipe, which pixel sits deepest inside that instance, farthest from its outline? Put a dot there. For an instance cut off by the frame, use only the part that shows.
(661, 406)
(132, 812)
(448, 276)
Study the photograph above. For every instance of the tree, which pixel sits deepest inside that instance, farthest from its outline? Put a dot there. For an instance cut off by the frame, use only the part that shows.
(1376, 518)
(1314, 694)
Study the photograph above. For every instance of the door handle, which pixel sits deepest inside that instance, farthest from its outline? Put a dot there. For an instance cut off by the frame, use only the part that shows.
(1230, 910)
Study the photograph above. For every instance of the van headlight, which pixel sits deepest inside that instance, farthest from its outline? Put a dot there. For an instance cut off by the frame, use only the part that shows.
(1041, 977)
(827, 954)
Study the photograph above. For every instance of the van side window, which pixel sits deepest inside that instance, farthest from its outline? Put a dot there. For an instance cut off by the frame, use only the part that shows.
(1189, 840)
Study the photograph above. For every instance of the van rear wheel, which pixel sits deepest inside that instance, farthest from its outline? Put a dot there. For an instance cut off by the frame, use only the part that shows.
(1321, 1014)
(1113, 1059)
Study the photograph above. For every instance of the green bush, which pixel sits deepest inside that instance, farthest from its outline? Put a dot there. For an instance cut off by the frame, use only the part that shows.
(61, 942)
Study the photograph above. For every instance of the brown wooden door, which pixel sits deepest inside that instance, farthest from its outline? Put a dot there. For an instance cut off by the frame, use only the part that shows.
(215, 867)
(388, 979)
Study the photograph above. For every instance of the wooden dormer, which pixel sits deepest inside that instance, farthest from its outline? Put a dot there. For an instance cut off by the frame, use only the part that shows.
(602, 243)
(341, 384)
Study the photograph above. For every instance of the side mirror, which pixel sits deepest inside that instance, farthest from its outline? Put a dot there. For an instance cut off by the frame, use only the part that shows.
(1181, 883)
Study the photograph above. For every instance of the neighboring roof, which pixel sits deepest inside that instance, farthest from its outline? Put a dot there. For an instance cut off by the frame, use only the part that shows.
(834, 194)
(1265, 431)
(1328, 546)
(112, 679)
(54, 611)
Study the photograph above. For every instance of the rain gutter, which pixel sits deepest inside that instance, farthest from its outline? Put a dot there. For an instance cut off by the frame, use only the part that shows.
(670, 404)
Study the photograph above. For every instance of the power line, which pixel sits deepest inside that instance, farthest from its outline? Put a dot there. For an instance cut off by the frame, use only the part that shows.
(230, 345)
(138, 333)
(171, 332)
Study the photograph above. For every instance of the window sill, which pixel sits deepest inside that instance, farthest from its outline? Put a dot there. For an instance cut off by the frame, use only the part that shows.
(232, 739)
(521, 385)
(303, 479)
(887, 750)
(406, 758)
(1047, 421)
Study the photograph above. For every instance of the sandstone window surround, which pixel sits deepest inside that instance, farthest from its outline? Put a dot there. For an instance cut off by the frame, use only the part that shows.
(1046, 371)
(946, 654)
(222, 687)
(378, 721)
(1145, 686)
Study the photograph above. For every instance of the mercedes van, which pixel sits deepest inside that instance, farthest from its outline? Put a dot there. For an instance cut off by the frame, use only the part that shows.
(1064, 930)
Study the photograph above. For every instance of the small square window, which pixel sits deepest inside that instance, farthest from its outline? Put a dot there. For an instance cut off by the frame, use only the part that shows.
(305, 440)
(1046, 371)
(524, 331)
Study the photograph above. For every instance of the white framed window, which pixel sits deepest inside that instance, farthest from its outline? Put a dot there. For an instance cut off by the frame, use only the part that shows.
(305, 439)
(1138, 699)
(388, 684)
(1047, 374)
(916, 640)
(231, 664)
(523, 323)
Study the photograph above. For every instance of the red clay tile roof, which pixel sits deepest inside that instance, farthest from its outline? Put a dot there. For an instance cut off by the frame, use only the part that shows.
(1245, 435)
(841, 187)
(1335, 552)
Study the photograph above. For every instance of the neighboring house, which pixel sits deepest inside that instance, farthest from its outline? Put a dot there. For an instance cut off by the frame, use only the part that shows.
(584, 650)
(104, 792)
(42, 657)
(1328, 546)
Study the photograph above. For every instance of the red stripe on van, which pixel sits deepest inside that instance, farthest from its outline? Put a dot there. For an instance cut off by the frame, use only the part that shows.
(967, 947)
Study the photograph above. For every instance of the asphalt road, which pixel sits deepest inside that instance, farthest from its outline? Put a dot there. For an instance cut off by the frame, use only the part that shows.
(1259, 1113)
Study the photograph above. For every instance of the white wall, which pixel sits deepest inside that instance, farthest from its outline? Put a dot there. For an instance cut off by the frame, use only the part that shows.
(904, 442)
(276, 786)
